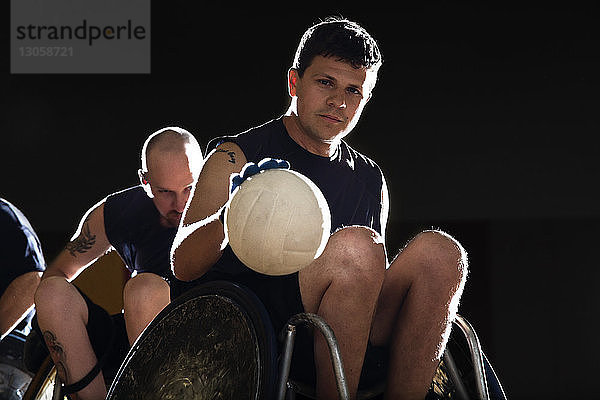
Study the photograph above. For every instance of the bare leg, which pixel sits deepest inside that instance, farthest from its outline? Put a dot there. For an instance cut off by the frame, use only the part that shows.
(63, 315)
(144, 296)
(342, 286)
(418, 301)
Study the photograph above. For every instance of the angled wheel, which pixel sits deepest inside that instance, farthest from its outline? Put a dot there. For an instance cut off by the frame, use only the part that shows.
(215, 341)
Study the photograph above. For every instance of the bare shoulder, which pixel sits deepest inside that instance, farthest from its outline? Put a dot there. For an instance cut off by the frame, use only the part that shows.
(90, 232)
(230, 153)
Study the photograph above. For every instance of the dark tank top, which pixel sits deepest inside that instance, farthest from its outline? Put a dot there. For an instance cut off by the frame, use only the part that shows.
(351, 183)
(133, 228)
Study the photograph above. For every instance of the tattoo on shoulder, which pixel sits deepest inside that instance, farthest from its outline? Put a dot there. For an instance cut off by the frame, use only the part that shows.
(231, 154)
(57, 353)
(84, 241)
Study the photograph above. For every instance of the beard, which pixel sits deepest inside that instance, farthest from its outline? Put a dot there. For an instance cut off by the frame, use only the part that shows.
(171, 220)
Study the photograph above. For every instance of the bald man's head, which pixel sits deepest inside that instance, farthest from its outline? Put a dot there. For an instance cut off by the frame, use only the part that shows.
(171, 162)
(171, 141)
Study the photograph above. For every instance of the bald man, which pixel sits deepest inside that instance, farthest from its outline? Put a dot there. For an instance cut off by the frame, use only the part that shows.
(140, 224)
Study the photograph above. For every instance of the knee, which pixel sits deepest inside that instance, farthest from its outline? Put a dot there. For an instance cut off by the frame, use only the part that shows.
(359, 256)
(144, 289)
(55, 298)
(441, 256)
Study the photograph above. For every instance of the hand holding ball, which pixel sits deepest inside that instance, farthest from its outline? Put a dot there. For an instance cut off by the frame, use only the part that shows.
(277, 220)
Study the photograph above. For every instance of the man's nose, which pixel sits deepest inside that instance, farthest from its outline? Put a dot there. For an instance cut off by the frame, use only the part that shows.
(180, 201)
(337, 99)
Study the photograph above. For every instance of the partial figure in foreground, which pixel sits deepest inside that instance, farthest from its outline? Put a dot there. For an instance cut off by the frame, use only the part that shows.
(21, 266)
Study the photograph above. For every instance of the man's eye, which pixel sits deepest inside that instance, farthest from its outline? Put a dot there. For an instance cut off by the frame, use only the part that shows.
(325, 82)
(354, 91)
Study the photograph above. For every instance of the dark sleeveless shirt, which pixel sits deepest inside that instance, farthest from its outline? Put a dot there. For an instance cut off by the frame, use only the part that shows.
(351, 183)
(133, 228)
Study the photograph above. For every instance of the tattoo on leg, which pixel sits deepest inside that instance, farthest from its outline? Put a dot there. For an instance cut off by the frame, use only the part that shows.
(84, 241)
(58, 355)
(231, 154)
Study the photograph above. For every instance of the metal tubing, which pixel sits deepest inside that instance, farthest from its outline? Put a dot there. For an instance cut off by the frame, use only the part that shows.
(476, 356)
(57, 392)
(286, 360)
(461, 391)
(334, 351)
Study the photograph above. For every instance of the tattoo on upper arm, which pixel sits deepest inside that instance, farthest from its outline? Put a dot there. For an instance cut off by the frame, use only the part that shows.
(231, 154)
(84, 241)
(58, 355)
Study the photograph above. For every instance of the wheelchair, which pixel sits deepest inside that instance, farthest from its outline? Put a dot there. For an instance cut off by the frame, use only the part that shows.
(14, 375)
(216, 342)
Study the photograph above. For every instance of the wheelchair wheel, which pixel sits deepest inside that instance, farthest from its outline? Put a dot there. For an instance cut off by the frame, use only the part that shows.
(14, 376)
(215, 341)
(444, 388)
(44, 385)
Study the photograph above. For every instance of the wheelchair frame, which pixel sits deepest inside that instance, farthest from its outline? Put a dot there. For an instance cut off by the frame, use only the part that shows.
(288, 389)
(316, 321)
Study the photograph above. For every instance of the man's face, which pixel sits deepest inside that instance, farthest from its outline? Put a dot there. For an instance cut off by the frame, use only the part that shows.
(330, 97)
(170, 181)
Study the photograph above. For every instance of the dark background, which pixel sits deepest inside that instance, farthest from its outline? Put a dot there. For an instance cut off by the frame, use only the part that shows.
(483, 121)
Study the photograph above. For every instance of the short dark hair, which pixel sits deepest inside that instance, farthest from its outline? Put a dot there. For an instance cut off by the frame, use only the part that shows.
(340, 38)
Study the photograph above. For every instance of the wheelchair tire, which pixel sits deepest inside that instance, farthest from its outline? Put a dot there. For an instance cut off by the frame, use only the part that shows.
(214, 341)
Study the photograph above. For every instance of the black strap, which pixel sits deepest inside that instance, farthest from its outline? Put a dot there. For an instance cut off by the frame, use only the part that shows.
(86, 380)
(83, 382)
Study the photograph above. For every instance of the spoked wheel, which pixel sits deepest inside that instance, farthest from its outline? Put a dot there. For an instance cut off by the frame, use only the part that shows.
(215, 341)
(14, 376)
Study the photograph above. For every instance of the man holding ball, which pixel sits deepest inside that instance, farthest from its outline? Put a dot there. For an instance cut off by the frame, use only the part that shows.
(405, 307)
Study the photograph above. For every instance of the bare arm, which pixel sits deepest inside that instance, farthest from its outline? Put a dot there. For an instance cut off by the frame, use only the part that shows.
(198, 244)
(88, 243)
(17, 300)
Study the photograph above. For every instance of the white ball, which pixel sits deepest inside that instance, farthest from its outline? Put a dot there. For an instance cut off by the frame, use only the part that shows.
(277, 222)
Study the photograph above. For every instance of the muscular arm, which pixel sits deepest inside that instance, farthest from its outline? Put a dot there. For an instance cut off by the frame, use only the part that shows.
(198, 244)
(88, 243)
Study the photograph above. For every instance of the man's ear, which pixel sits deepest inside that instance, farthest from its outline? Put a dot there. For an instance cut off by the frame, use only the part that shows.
(144, 182)
(142, 176)
(292, 81)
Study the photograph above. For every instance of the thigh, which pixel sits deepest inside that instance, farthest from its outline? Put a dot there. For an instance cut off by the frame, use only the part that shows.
(397, 282)
(353, 257)
(99, 325)
(432, 267)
